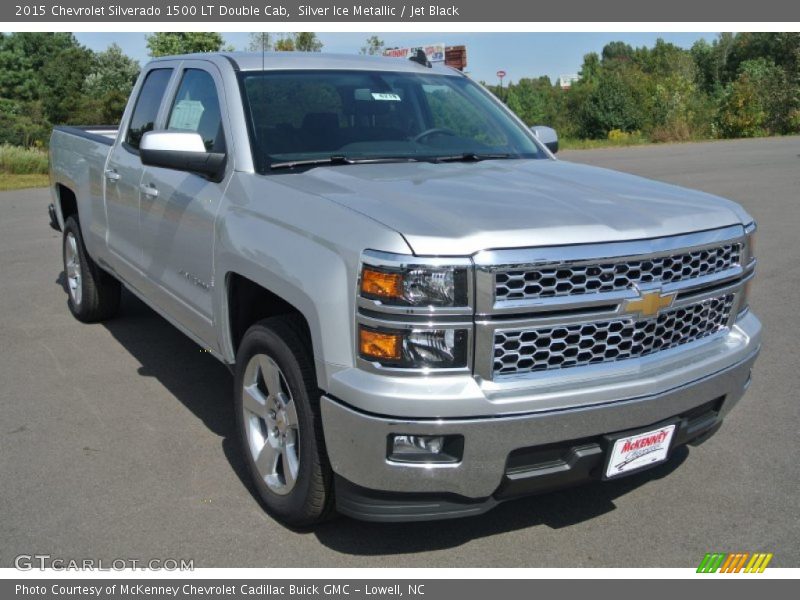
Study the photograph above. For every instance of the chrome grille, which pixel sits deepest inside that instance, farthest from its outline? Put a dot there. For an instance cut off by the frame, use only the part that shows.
(559, 347)
(572, 279)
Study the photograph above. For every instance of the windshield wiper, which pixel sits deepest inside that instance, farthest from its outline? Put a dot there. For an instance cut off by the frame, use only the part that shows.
(340, 160)
(469, 157)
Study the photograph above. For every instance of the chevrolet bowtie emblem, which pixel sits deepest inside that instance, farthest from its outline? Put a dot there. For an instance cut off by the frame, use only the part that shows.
(649, 304)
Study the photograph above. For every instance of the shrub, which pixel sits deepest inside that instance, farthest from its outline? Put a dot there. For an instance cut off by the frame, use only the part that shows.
(674, 131)
(22, 161)
(625, 137)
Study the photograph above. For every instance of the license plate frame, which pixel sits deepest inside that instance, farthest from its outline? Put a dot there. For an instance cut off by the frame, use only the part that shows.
(648, 447)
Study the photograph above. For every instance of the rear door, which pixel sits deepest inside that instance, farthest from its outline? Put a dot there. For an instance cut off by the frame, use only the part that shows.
(123, 174)
(178, 208)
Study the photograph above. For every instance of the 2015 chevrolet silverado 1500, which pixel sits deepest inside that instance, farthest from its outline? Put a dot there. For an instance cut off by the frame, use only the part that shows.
(425, 311)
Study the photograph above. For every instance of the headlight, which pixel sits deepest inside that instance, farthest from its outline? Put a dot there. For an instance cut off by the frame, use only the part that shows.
(749, 257)
(414, 348)
(415, 285)
(408, 312)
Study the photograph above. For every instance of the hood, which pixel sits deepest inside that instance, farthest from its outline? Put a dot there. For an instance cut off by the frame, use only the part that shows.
(462, 208)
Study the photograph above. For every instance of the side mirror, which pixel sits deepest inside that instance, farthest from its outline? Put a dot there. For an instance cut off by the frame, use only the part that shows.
(546, 135)
(182, 151)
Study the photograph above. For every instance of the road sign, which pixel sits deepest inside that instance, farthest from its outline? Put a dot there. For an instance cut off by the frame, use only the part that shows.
(501, 74)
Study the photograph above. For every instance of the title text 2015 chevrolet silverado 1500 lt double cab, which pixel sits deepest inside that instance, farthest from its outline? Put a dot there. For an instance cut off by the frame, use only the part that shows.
(425, 311)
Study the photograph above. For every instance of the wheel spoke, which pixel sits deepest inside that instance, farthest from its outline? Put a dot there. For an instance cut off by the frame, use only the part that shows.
(267, 459)
(271, 374)
(290, 466)
(291, 412)
(272, 424)
(254, 400)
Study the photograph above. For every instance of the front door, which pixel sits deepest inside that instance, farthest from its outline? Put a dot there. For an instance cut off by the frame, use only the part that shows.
(178, 208)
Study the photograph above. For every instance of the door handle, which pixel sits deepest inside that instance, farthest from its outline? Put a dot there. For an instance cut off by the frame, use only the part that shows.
(112, 175)
(149, 190)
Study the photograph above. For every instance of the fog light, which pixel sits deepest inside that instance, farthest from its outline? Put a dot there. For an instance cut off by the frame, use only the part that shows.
(417, 444)
(426, 448)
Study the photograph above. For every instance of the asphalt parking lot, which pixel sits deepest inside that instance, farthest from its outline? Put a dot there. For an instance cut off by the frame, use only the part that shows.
(117, 440)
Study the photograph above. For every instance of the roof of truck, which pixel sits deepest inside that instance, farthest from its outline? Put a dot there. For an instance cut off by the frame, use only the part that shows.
(256, 61)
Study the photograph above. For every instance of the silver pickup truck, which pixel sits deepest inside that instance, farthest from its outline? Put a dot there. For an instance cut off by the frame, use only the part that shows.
(425, 312)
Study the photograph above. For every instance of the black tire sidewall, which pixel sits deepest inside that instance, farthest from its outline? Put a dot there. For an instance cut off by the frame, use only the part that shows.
(293, 508)
(72, 226)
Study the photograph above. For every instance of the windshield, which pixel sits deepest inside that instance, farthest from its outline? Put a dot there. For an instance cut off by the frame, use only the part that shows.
(302, 118)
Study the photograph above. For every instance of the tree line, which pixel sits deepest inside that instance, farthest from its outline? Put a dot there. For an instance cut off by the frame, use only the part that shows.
(739, 85)
(50, 79)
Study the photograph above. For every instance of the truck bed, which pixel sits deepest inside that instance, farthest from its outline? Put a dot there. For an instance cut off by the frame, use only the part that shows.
(77, 161)
(105, 134)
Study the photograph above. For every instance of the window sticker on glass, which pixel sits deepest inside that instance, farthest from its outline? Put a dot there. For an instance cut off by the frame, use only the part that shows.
(186, 115)
(384, 96)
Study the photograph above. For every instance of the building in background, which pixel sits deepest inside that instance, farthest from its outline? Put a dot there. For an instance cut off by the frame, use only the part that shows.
(565, 81)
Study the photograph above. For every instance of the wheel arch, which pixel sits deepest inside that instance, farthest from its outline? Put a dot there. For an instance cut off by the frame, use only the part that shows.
(248, 302)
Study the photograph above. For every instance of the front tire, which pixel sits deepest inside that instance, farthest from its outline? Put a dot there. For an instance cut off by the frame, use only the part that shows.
(94, 295)
(280, 430)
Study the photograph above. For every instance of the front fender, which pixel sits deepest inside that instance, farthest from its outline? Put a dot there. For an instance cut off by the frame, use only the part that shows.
(304, 249)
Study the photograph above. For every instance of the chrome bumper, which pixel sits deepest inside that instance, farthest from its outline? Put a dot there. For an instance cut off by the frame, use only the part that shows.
(357, 441)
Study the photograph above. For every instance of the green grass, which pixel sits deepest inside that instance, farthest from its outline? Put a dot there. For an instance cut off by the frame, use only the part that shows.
(578, 144)
(9, 181)
(22, 161)
(22, 168)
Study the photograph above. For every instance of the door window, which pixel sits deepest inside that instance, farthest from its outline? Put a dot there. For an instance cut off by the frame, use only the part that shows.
(196, 108)
(147, 104)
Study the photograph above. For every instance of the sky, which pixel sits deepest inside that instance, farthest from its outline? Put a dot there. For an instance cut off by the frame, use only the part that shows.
(518, 54)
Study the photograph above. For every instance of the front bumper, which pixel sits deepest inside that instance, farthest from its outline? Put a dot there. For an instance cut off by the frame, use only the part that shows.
(357, 446)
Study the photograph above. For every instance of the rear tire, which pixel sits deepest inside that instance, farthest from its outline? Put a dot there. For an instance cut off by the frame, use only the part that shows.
(279, 424)
(94, 295)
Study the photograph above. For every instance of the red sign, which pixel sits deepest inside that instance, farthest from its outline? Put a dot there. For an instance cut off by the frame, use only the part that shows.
(501, 74)
(456, 57)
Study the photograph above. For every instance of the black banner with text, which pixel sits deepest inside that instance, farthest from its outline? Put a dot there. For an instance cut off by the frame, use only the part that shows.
(277, 11)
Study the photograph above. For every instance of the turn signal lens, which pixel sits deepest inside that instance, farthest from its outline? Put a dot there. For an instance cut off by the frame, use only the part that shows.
(381, 284)
(379, 345)
(414, 348)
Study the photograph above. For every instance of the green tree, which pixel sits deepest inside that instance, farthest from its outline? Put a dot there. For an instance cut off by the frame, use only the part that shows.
(285, 44)
(374, 46)
(307, 41)
(165, 43)
(112, 71)
(22, 123)
(711, 62)
(617, 51)
(760, 101)
(303, 41)
(259, 42)
(666, 59)
(614, 103)
(44, 68)
(531, 99)
(590, 70)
